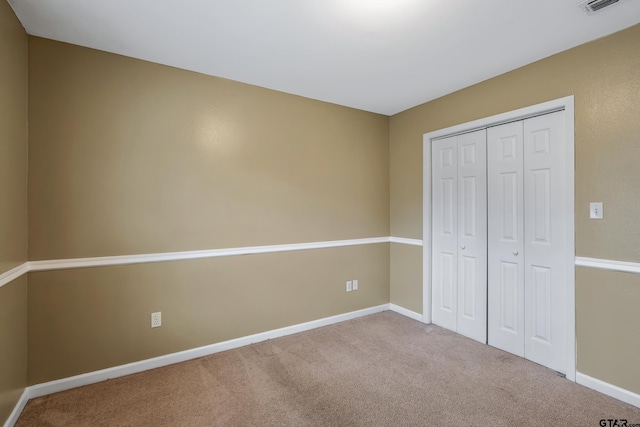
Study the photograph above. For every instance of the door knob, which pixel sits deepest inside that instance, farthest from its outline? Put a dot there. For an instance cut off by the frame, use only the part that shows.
(515, 253)
(463, 247)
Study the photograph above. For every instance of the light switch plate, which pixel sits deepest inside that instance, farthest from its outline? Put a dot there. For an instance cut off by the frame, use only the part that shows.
(595, 210)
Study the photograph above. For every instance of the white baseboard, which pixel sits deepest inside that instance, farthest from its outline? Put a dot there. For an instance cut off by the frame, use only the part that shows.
(169, 359)
(609, 389)
(401, 310)
(17, 410)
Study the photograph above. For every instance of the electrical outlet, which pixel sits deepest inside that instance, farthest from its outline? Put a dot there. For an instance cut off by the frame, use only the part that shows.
(156, 319)
(349, 286)
(355, 284)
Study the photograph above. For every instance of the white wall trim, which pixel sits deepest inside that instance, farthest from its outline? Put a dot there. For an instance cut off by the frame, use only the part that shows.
(609, 389)
(405, 241)
(17, 410)
(498, 119)
(61, 264)
(406, 312)
(606, 264)
(182, 356)
(13, 274)
(566, 104)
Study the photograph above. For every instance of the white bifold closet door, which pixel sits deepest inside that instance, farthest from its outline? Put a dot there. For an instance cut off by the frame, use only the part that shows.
(526, 177)
(459, 230)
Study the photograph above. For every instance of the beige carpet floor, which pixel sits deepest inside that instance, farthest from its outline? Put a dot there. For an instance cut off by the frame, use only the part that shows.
(379, 370)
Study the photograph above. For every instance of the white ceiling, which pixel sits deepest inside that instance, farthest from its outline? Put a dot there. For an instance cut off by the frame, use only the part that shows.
(377, 55)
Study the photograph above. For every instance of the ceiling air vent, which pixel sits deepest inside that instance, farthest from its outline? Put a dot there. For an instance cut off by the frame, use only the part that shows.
(591, 6)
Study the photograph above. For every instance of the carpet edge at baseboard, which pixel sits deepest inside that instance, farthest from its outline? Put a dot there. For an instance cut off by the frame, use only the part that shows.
(50, 387)
(603, 387)
(17, 410)
(43, 389)
(406, 312)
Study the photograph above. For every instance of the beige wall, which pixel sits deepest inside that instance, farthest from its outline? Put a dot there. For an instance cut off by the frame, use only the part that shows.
(13, 344)
(607, 302)
(604, 76)
(405, 275)
(129, 157)
(13, 207)
(13, 140)
(88, 319)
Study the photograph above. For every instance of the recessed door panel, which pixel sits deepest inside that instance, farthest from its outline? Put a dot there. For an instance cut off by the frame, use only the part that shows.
(469, 153)
(540, 199)
(540, 140)
(469, 286)
(447, 159)
(508, 301)
(449, 286)
(510, 147)
(448, 191)
(541, 304)
(509, 209)
(468, 210)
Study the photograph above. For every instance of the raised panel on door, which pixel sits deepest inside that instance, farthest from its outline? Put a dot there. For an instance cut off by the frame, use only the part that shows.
(472, 235)
(444, 261)
(545, 191)
(505, 242)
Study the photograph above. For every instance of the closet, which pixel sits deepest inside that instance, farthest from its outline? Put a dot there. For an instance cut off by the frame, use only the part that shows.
(499, 238)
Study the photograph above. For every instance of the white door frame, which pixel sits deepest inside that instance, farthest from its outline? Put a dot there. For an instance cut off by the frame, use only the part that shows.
(566, 104)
